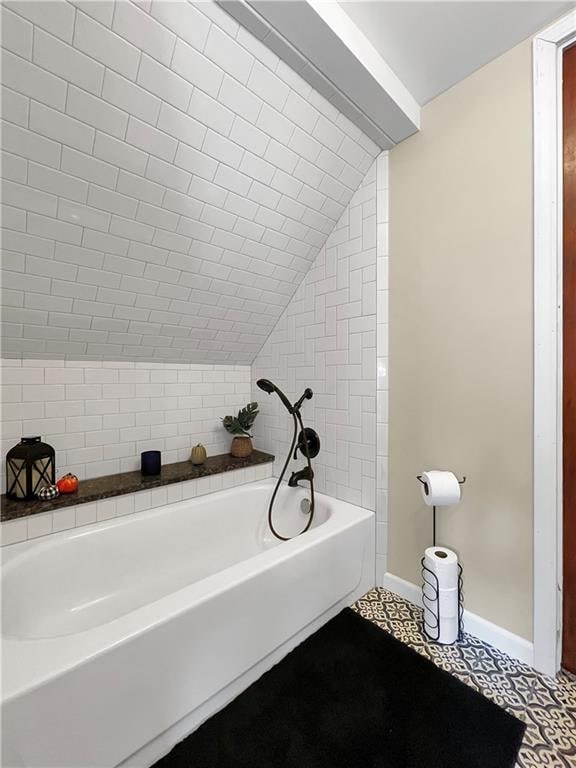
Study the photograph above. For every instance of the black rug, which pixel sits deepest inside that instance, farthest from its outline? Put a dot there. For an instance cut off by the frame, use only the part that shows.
(352, 696)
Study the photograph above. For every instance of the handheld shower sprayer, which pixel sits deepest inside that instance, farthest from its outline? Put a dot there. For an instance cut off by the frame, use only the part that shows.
(308, 444)
(268, 387)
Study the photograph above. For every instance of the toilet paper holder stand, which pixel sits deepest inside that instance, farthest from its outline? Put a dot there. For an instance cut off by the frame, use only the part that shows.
(433, 603)
(431, 579)
(424, 483)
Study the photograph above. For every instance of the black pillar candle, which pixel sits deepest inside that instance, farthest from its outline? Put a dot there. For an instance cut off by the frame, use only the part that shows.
(151, 463)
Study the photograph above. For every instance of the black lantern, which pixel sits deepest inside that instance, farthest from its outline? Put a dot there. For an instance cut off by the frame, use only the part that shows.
(30, 466)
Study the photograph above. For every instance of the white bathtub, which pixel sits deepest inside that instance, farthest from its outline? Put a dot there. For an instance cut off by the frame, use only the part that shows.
(121, 637)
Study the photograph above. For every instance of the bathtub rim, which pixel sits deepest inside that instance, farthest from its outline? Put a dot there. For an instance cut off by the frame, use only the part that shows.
(36, 662)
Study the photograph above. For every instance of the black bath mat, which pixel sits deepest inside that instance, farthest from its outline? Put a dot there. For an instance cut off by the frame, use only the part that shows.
(352, 696)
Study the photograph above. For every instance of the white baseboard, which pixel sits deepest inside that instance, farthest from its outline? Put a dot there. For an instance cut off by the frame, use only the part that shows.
(498, 637)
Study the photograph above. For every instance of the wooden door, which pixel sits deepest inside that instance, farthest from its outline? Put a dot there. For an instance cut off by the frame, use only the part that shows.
(569, 361)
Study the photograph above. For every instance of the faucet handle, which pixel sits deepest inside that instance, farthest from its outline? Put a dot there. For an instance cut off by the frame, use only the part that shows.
(308, 438)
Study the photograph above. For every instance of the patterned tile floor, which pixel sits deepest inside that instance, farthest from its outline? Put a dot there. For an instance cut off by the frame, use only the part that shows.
(547, 705)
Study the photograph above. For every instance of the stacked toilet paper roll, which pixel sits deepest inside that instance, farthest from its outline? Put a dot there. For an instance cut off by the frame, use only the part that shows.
(440, 594)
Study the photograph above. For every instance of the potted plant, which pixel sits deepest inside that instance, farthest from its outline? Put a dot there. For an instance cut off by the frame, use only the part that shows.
(240, 427)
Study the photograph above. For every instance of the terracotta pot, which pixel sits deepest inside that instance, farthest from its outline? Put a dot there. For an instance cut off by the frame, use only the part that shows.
(241, 447)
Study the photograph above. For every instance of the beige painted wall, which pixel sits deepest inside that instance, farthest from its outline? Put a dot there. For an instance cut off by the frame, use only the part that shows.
(461, 335)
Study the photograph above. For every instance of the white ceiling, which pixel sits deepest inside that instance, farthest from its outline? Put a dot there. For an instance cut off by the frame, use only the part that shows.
(433, 45)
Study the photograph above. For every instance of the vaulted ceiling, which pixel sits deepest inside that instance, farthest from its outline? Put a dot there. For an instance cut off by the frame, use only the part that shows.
(433, 45)
(168, 181)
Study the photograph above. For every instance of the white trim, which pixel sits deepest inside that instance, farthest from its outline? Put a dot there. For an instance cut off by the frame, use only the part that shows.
(328, 50)
(547, 48)
(338, 21)
(498, 637)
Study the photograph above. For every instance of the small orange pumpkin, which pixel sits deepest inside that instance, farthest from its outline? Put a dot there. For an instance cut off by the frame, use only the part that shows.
(68, 483)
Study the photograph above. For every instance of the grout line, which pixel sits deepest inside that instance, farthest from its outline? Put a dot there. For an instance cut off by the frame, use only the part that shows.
(243, 149)
(136, 83)
(92, 183)
(309, 248)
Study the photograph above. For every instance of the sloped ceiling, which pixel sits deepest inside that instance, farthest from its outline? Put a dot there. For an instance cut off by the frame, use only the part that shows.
(167, 181)
(433, 45)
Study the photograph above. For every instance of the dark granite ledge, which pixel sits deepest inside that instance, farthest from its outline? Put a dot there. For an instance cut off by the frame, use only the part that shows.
(106, 487)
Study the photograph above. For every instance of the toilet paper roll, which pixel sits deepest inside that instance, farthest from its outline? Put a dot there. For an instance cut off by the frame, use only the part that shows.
(448, 631)
(439, 488)
(444, 564)
(443, 630)
(446, 602)
(440, 594)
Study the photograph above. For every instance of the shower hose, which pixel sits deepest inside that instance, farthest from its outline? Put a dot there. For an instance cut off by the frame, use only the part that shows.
(297, 419)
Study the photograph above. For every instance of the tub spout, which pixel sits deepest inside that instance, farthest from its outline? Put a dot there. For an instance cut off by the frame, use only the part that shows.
(304, 474)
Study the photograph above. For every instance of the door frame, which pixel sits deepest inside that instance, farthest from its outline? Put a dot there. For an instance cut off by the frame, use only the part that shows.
(548, 47)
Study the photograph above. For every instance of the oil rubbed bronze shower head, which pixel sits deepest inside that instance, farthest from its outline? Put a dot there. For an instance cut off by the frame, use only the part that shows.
(306, 396)
(268, 387)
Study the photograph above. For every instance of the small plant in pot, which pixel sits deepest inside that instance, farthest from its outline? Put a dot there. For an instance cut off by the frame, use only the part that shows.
(240, 427)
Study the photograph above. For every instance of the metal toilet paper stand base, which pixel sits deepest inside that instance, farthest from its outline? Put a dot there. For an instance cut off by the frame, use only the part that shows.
(430, 579)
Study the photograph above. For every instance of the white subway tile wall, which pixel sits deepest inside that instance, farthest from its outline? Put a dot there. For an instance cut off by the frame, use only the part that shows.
(327, 339)
(382, 362)
(169, 181)
(45, 523)
(100, 415)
